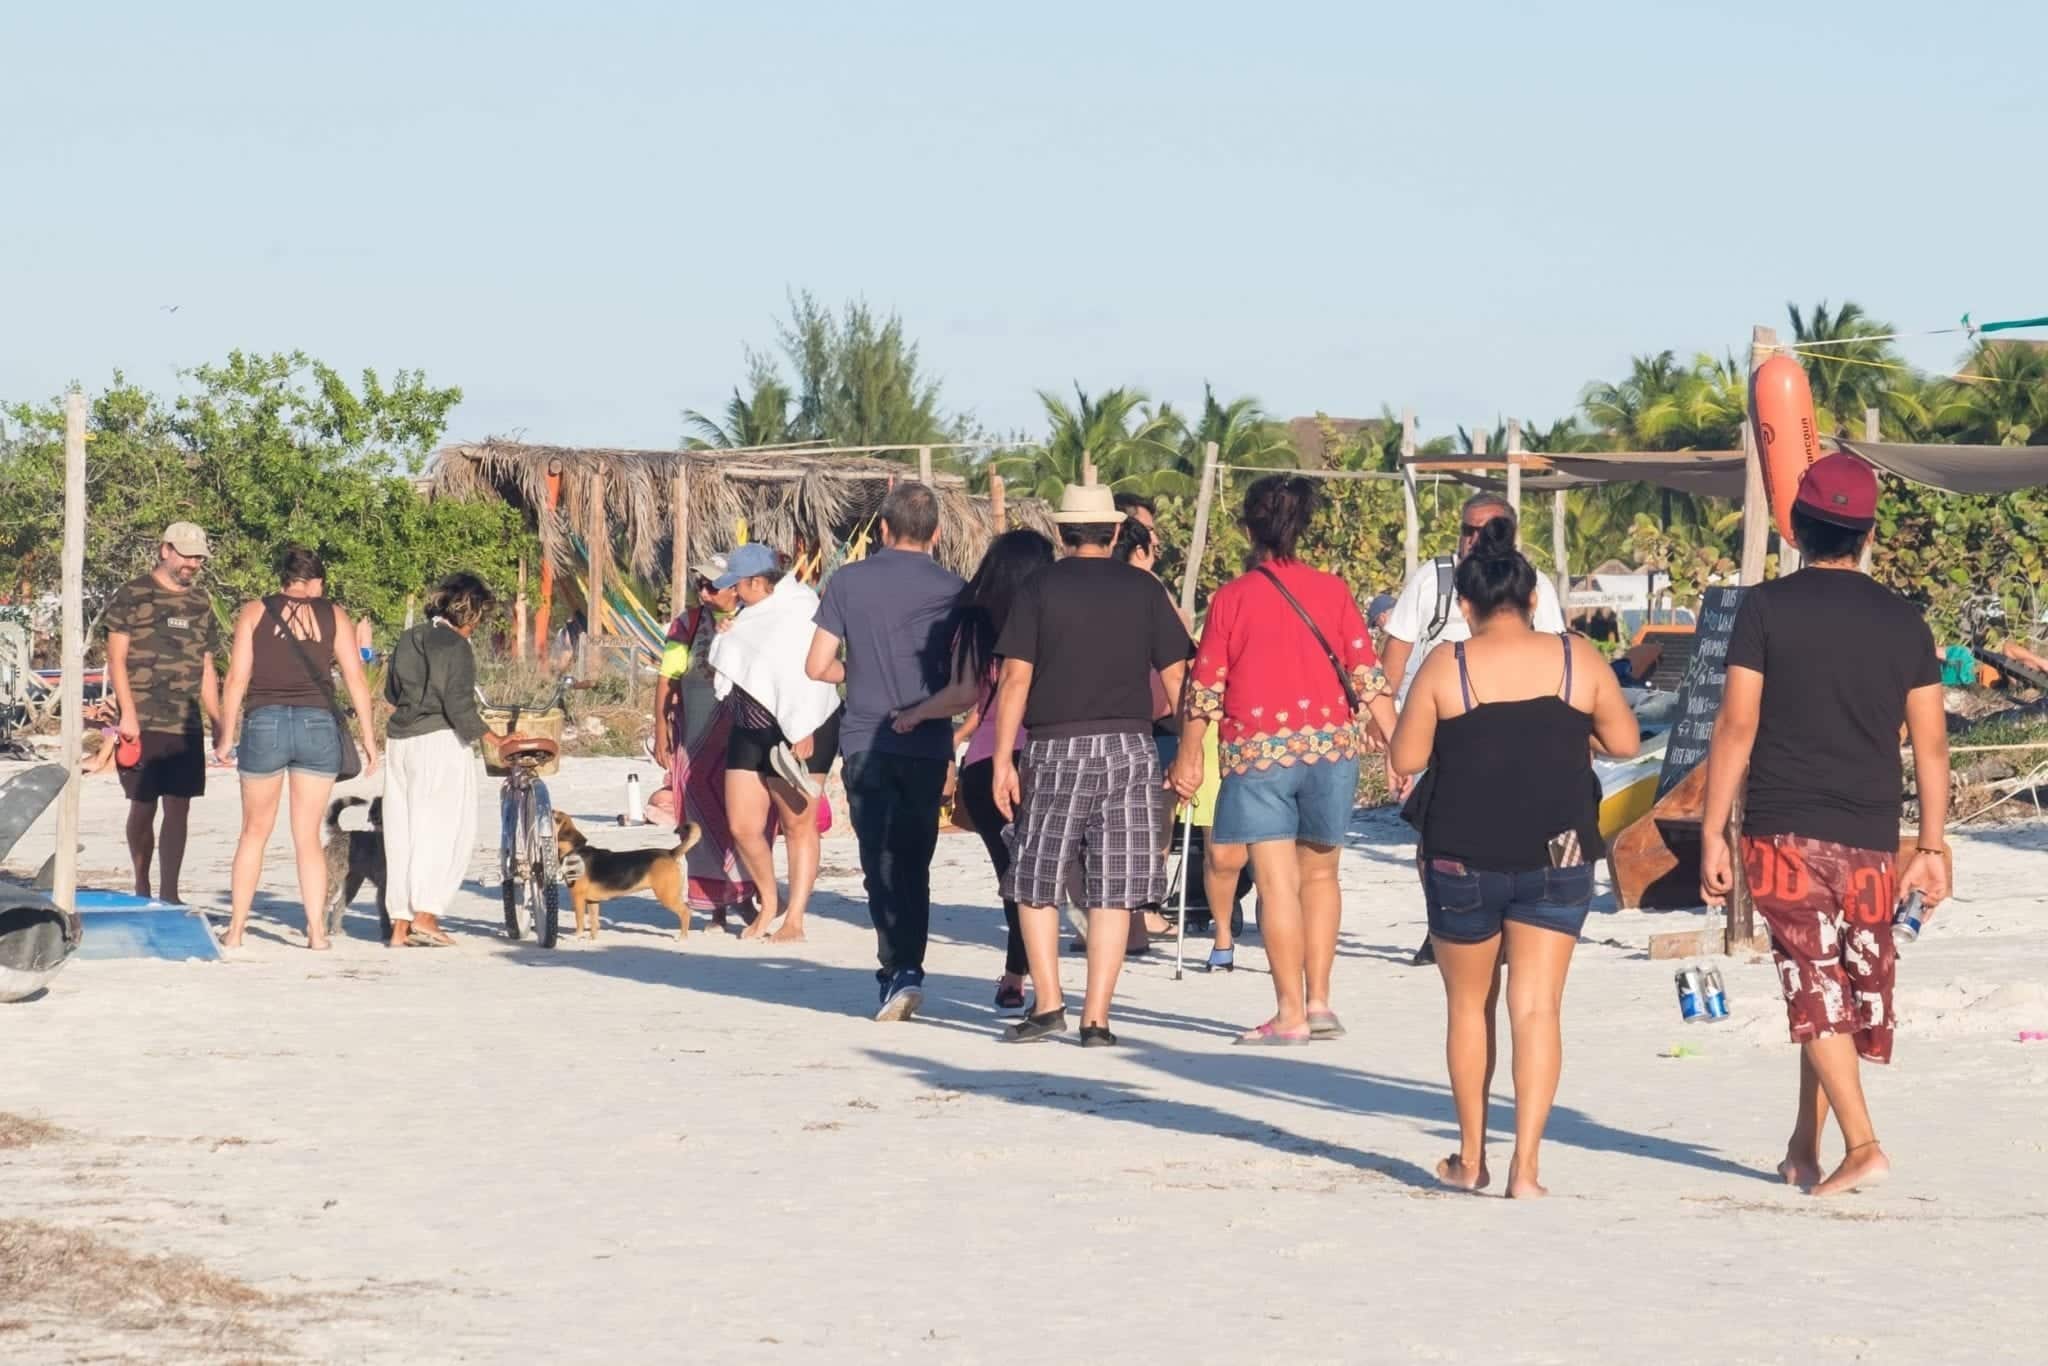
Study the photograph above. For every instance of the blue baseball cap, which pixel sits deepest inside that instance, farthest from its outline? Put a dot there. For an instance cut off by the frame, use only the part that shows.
(744, 563)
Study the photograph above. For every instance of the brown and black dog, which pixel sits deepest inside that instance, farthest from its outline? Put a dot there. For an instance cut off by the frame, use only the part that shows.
(596, 875)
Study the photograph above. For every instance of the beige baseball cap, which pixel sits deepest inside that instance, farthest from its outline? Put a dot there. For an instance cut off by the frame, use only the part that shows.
(187, 539)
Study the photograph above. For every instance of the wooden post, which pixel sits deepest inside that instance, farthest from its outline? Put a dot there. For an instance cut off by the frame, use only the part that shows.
(1198, 542)
(924, 465)
(1756, 510)
(1559, 509)
(597, 539)
(519, 641)
(1411, 542)
(995, 504)
(547, 570)
(1087, 468)
(1870, 433)
(679, 536)
(1515, 470)
(64, 875)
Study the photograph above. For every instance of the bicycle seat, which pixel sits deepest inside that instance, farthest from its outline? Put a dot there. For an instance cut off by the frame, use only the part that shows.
(527, 749)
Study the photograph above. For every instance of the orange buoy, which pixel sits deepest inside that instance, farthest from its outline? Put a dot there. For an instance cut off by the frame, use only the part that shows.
(1787, 438)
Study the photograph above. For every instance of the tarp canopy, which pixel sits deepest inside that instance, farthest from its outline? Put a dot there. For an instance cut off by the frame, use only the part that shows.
(1714, 474)
(1955, 469)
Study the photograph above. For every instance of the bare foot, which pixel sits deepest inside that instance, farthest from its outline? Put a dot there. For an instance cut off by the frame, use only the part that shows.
(231, 940)
(1453, 1172)
(756, 928)
(789, 932)
(1800, 1169)
(1865, 1165)
(1523, 1185)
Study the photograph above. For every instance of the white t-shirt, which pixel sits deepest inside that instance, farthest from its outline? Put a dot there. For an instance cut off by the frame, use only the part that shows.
(1416, 608)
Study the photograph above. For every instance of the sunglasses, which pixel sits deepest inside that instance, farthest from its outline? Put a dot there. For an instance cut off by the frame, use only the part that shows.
(1467, 529)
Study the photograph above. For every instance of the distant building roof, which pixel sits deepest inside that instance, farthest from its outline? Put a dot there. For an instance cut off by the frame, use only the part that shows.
(1305, 434)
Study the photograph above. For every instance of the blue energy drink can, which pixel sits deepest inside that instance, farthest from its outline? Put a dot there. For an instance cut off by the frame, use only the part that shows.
(1906, 919)
(1692, 995)
(1716, 994)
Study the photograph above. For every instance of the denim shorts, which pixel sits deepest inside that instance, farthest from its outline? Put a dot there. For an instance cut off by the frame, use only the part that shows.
(302, 739)
(1468, 905)
(1311, 802)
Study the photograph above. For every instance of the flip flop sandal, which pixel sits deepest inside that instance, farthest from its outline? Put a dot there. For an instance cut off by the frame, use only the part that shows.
(431, 939)
(1324, 1024)
(1269, 1036)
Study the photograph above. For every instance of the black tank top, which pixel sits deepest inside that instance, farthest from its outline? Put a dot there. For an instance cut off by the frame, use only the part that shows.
(1507, 777)
(286, 670)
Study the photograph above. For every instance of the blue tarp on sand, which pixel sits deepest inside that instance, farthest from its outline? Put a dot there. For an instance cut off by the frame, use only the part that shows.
(123, 925)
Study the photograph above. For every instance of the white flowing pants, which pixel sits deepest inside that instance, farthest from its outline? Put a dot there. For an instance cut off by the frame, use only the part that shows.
(430, 797)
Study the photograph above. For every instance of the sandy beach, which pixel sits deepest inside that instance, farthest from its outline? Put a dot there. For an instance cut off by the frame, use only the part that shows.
(641, 1150)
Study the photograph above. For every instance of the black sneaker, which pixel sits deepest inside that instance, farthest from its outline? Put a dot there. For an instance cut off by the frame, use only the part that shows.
(1032, 1028)
(901, 997)
(1097, 1036)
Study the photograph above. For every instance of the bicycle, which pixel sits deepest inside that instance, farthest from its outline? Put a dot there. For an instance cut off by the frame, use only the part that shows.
(527, 747)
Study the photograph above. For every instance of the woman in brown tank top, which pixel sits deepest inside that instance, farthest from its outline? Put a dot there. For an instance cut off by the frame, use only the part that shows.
(286, 649)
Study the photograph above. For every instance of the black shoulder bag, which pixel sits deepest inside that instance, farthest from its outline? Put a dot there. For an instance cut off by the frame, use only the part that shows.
(1351, 697)
(351, 757)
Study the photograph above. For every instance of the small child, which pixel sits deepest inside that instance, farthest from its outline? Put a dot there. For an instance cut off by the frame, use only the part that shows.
(106, 714)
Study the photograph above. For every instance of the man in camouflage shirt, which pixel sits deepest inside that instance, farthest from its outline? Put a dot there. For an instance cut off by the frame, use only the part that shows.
(162, 637)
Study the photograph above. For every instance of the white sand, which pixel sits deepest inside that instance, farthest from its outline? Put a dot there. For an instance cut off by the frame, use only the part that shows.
(641, 1151)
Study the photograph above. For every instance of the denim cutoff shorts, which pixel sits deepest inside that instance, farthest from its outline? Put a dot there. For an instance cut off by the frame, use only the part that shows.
(302, 739)
(1469, 905)
(1311, 802)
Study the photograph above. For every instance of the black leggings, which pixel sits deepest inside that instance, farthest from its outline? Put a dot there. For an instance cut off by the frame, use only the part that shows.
(977, 794)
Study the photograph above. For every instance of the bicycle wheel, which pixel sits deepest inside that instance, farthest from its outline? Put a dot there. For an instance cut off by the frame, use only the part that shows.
(543, 892)
(510, 813)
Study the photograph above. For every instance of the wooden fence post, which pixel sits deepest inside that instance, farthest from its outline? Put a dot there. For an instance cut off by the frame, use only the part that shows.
(996, 510)
(545, 608)
(1871, 429)
(924, 465)
(1515, 472)
(1559, 510)
(1756, 511)
(597, 538)
(1411, 543)
(519, 640)
(679, 535)
(1087, 468)
(71, 708)
(1198, 541)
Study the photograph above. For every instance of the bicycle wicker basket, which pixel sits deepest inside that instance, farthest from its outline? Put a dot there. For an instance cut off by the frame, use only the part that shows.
(532, 721)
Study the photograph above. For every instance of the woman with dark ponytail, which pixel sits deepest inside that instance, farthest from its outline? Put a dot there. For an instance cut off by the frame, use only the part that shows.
(1505, 724)
(1287, 674)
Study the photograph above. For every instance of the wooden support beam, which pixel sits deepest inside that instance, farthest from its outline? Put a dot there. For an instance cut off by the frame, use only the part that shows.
(996, 511)
(1515, 469)
(546, 606)
(519, 640)
(1559, 510)
(1198, 542)
(597, 541)
(1411, 512)
(679, 548)
(924, 465)
(1871, 432)
(1087, 468)
(71, 704)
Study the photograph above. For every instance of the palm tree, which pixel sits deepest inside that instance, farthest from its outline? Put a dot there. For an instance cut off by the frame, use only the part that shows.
(758, 419)
(1243, 432)
(2001, 398)
(1854, 368)
(1130, 447)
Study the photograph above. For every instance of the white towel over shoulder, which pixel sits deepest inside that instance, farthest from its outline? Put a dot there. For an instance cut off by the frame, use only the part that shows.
(764, 651)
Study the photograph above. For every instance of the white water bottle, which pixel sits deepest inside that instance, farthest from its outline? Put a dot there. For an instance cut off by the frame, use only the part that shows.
(635, 814)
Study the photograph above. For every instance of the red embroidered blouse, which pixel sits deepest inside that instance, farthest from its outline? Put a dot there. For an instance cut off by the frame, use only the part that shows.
(1262, 678)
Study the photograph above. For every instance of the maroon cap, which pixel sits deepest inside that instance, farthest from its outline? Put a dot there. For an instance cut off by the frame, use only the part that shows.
(1840, 489)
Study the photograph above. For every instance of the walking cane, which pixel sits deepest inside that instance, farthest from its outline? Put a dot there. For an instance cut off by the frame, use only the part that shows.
(1187, 851)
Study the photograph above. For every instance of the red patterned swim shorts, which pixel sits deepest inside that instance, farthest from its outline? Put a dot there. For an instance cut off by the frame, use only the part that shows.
(1829, 909)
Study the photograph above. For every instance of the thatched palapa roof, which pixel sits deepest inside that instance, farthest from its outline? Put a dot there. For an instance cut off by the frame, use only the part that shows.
(816, 496)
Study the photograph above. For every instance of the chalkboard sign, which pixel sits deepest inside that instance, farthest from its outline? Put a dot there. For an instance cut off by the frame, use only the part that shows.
(1699, 697)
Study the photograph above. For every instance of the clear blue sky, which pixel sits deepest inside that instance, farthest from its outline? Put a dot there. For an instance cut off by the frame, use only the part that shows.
(582, 213)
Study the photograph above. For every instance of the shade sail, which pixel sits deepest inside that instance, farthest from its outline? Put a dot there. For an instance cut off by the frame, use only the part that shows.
(1955, 469)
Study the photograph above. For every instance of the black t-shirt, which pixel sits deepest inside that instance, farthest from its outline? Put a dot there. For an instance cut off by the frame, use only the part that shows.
(1093, 630)
(1838, 653)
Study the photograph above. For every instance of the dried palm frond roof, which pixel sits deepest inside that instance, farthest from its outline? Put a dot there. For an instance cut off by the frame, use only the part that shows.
(816, 496)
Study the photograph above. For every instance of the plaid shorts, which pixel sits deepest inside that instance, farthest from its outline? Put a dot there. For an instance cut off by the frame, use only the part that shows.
(1829, 908)
(1092, 800)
